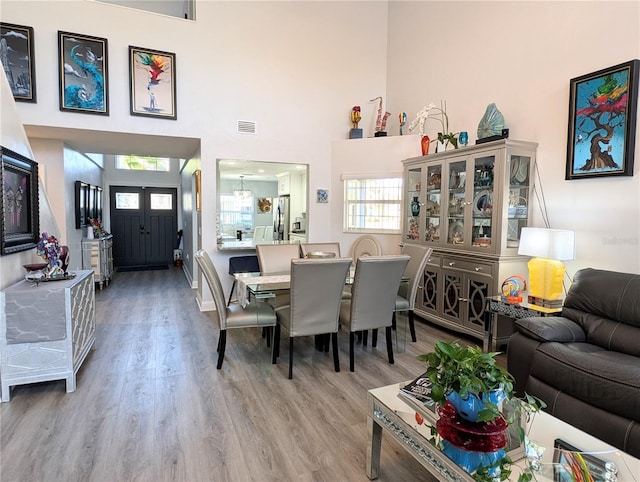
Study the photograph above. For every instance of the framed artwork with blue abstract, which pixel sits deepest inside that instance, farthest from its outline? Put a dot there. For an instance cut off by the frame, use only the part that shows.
(152, 83)
(83, 74)
(16, 54)
(602, 122)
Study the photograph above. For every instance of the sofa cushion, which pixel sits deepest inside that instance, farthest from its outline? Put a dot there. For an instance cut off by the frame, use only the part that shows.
(609, 334)
(553, 328)
(607, 294)
(607, 379)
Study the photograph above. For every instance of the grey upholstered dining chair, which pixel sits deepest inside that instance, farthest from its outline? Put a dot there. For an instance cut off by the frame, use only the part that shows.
(306, 248)
(374, 290)
(316, 289)
(406, 297)
(276, 258)
(257, 314)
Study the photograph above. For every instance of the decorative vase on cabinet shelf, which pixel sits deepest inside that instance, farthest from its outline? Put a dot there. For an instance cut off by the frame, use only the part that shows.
(415, 206)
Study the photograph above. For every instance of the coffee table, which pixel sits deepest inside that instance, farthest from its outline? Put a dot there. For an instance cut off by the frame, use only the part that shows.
(389, 414)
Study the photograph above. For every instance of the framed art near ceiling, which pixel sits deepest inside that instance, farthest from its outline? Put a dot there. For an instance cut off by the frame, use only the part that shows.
(152, 83)
(20, 204)
(16, 53)
(602, 122)
(81, 203)
(83, 75)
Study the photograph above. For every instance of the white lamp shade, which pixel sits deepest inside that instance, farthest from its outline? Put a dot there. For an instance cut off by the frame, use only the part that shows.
(556, 244)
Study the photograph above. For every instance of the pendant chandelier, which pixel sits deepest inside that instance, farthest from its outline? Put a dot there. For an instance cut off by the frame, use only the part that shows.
(241, 192)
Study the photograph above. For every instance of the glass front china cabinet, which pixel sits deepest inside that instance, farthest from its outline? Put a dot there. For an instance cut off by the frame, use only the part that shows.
(470, 205)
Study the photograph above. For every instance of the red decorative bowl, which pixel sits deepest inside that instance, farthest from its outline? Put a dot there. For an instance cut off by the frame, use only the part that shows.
(34, 267)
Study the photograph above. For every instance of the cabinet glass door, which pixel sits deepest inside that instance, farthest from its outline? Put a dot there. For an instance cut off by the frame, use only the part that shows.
(413, 205)
(456, 202)
(482, 230)
(433, 205)
(518, 202)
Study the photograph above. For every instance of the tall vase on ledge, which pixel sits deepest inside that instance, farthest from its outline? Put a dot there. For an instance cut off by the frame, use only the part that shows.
(424, 143)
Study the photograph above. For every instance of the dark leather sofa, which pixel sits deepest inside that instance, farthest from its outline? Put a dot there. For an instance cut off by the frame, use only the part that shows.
(585, 364)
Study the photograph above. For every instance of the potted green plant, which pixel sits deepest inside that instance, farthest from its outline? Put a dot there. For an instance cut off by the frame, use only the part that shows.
(460, 373)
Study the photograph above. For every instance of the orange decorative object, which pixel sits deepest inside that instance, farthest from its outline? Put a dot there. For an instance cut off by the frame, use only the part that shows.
(424, 143)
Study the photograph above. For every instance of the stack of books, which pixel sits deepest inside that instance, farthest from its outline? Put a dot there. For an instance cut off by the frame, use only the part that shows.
(534, 300)
(417, 394)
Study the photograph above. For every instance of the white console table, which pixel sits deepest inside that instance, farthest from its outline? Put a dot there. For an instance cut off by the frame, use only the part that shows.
(46, 331)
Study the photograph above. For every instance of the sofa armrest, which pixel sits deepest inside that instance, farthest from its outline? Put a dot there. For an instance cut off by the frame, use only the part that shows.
(552, 328)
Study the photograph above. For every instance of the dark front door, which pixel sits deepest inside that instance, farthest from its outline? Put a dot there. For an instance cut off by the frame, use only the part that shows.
(144, 225)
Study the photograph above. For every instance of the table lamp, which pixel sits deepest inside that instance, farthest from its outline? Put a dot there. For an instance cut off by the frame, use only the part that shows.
(546, 270)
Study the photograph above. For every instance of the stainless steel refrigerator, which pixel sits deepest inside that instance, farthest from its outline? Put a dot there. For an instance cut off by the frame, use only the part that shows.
(281, 221)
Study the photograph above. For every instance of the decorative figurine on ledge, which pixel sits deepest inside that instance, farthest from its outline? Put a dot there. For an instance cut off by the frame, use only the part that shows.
(355, 133)
(402, 118)
(381, 121)
(56, 256)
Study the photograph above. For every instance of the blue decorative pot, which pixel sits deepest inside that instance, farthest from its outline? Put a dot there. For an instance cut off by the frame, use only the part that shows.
(468, 408)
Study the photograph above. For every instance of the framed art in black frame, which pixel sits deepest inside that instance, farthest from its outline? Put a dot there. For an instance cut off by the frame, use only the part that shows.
(152, 83)
(98, 213)
(18, 61)
(20, 204)
(81, 204)
(569, 461)
(92, 205)
(602, 122)
(83, 75)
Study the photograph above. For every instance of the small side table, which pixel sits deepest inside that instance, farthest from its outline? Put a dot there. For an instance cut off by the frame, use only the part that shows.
(495, 306)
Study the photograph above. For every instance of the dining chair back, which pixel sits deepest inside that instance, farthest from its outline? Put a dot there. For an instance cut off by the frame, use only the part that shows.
(276, 258)
(268, 234)
(306, 248)
(365, 245)
(316, 292)
(373, 294)
(256, 314)
(242, 264)
(406, 297)
(258, 234)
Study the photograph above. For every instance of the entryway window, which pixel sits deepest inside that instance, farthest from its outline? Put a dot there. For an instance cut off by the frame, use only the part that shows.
(143, 163)
(161, 201)
(127, 200)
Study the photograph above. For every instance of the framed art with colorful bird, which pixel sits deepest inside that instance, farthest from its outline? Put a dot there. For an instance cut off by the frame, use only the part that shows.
(152, 79)
(602, 122)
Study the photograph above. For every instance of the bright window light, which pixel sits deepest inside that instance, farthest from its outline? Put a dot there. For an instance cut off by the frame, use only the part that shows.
(143, 163)
(373, 205)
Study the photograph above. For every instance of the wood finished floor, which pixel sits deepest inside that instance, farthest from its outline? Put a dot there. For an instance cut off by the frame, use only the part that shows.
(151, 406)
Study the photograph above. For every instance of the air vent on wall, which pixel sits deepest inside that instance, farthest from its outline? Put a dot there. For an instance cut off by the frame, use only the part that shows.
(246, 127)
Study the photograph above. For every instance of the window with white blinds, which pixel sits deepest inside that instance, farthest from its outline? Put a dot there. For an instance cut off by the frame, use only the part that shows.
(373, 205)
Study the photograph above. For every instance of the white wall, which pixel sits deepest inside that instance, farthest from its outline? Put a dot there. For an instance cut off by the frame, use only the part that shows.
(522, 55)
(381, 155)
(295, 68)
(12, 136)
